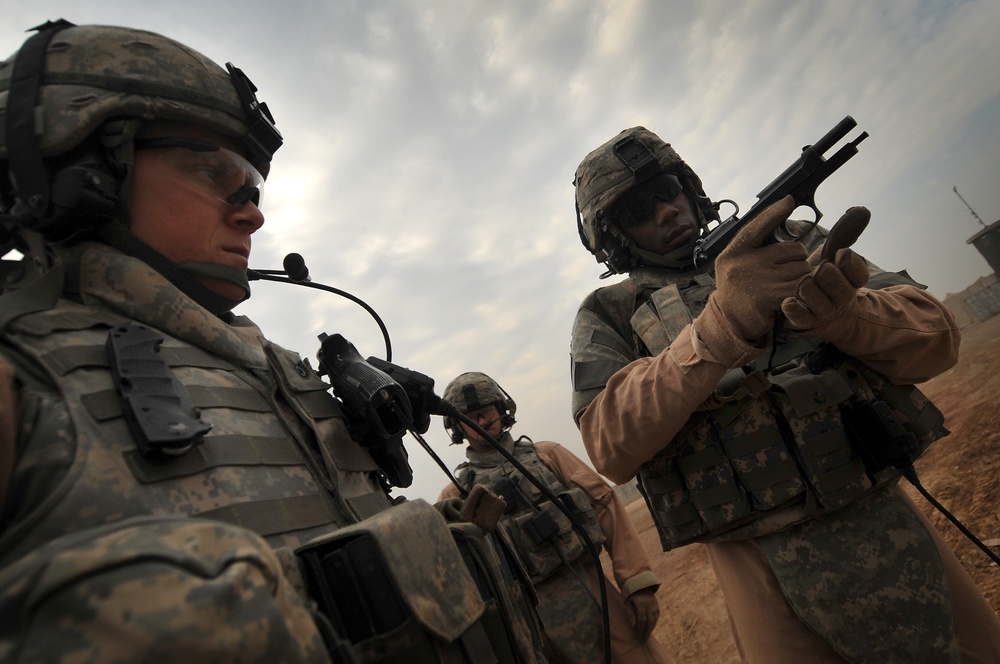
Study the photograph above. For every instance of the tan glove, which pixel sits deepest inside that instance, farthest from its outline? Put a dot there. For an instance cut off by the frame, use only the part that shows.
(645, 610)
(837, 274)
(481, 507)
(752, 280)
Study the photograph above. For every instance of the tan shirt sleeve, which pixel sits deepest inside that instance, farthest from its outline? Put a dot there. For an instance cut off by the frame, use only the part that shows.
(646, 403)
(902, 332)
(629, 561)
(449, 491)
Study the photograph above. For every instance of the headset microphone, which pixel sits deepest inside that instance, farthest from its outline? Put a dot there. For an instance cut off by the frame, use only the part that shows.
(295, 267)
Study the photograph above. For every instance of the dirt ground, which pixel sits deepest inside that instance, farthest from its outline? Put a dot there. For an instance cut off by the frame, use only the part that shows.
(961, 471)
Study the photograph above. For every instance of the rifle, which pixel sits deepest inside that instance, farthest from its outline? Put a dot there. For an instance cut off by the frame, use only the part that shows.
(800, 180)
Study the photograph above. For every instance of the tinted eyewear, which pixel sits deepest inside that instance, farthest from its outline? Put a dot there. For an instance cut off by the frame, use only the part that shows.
(214, 170)
(635, 207)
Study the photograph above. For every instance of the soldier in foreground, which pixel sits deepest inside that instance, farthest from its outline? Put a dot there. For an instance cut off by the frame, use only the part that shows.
(730, 390)
(173, 486)
(562, 570)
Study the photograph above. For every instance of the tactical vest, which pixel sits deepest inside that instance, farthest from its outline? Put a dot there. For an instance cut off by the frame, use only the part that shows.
(770, 447)
(543, 536)
(260, 466)
(278, 459)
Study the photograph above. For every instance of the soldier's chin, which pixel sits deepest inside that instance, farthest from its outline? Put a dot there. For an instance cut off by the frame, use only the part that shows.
(683, 240)
(223, 288)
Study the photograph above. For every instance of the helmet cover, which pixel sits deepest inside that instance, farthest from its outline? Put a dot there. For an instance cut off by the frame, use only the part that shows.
(604, 176)
(474, 390)
(93, 73)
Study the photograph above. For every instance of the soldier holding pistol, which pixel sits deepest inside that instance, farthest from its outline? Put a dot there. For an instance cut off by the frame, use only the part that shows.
(734, 389)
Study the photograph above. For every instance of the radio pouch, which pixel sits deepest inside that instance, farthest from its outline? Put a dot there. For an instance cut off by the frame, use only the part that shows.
(396, 583)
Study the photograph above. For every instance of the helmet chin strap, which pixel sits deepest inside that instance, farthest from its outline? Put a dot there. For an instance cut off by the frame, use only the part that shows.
(223, 272)
(678, 260)
(681, 258)
(183, 276)
(117, 137)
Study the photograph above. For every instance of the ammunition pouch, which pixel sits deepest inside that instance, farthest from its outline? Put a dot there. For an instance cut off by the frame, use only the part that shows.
(510, 619)
(887, 425)
(784, 447)
(150, 589)
(542, 535)
(401, 585)
(545, 538)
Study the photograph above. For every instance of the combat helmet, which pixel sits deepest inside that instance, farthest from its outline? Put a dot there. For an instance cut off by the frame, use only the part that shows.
(631, 162)
(474, 390)
(71, 100)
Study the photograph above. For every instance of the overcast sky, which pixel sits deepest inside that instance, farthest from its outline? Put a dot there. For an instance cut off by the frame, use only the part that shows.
(430, 148)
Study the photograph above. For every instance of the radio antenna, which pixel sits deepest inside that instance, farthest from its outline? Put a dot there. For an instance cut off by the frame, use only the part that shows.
(955, 189)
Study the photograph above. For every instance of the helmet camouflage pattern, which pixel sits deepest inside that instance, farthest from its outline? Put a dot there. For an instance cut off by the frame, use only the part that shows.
(73, 98)
(474, 390)
(93, 73)
(601, 180)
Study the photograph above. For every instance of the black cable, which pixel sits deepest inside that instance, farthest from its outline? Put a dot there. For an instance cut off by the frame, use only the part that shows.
(439, 462)
(910, 473)
(442, 407)
(577, 526)
(270, 275)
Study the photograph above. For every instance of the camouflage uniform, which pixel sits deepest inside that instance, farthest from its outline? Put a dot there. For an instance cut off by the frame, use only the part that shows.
(278, 461)
(562, 571)
(863, 579)
(236, 548)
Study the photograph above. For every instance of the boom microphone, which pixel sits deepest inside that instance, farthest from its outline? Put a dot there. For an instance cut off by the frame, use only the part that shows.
(295, 267)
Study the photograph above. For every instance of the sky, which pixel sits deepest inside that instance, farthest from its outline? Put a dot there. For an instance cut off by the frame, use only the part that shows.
(430, 148)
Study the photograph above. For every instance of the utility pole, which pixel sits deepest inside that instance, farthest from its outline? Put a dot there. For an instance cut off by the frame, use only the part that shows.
(955, 189)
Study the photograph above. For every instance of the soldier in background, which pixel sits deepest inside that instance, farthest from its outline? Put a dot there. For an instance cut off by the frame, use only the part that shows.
(742, 431)
(561, 567)
(173, 486)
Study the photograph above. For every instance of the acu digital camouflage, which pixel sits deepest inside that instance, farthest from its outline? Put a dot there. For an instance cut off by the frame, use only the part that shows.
(278, 461)
(142, 75)
(110, 554)
(557, 564)
(767, 456)
(869, 580)
(216, 591)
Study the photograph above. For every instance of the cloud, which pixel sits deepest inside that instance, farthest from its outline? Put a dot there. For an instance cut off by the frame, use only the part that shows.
(430, 147)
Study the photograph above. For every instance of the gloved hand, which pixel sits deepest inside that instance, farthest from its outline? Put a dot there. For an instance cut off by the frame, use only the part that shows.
(481, 507)
(837, 273)
(752, 280)
(645, 610)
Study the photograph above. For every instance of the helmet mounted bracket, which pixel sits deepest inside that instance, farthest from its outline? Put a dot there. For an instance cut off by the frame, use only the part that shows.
(262, 138)
(637, 158)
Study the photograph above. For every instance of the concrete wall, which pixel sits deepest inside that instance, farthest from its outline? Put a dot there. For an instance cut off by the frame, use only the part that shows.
(978, 302)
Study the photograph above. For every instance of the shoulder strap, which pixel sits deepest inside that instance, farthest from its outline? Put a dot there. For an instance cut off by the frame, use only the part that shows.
(24, 155)
(34, 283)
(621, 298)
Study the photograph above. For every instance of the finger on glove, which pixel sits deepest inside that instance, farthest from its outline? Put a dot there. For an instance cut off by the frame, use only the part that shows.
(645, 612)
(823, 295)
(756, 232)
(846, 231)
(810, 307)
(853, 267)
(777, 268)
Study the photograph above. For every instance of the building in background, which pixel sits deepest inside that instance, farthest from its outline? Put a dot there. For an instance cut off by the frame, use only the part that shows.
(981, 300)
